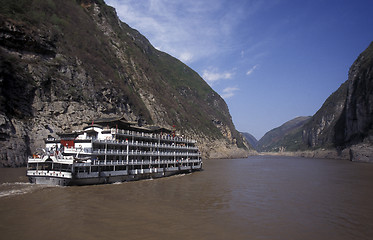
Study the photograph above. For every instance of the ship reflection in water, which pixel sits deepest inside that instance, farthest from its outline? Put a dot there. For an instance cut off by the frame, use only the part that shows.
(255, 198)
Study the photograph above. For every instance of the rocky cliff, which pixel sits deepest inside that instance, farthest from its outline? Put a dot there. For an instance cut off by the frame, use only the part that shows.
(345, 121)
(64, 63)
(250, 139)
(358, 113)
(324, 127)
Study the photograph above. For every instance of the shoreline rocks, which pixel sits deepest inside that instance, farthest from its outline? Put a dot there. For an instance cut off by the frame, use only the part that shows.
(356, 153)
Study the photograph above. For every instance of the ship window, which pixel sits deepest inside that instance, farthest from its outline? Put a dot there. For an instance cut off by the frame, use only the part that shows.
(92, 135)
(66, 167)
(45, 166)
(107, 168)
(56, 166)
(31, 166)
(81, 169)
(120, 168)
(94, 169)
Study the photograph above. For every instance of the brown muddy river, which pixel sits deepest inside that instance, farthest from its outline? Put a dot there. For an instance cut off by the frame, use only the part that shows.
(259, 197)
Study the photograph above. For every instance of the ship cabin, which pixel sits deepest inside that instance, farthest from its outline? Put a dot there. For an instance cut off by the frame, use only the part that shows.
(117, 146)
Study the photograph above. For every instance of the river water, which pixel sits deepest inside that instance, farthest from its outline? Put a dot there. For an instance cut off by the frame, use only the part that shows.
(261, 197)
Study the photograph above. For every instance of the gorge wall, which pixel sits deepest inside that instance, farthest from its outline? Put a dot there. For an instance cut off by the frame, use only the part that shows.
(345, 121)
(343, 126)
(65, 63)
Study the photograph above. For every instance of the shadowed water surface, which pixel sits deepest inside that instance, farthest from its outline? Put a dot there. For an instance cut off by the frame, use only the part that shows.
(255, 198)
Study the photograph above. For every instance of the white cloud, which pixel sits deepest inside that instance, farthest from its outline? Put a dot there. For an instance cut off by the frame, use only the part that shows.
(189, 30)
(229, 92)
(251, 70)
(186, 57)
(213, 75)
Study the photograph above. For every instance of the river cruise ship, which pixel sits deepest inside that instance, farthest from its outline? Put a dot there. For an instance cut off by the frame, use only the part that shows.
(112, 150)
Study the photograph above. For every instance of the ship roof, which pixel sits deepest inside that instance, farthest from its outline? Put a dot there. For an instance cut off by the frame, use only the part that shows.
(67, 135)
(115, 122)
(92, 126)
(122, 123)
(90, 130)
(157, 129)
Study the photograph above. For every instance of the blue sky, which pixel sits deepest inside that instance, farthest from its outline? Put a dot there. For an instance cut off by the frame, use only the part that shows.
(271, 60)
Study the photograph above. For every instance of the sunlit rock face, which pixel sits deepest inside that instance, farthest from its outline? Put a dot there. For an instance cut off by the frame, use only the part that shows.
(65, 63)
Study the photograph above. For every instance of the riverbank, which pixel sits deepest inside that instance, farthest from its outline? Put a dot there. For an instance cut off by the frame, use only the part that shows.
(357, 153)
(220, 149)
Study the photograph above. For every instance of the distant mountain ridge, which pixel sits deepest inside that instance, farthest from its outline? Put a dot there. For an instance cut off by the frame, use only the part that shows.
(65, 63)
(251, 139)
(277, 139)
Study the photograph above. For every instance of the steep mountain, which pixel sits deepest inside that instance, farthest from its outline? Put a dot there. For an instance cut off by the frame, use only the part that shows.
(324, 127)
(345, 120)
(286, 137)
(357, 118)
(250, 139)
(65, 63)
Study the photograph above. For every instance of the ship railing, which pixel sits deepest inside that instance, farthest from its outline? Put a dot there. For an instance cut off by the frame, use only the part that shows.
(35, 158)
(142, 153)
(138, 162)
(154, 136)
(109, 162)
(82, 164)
(145, 170)
(77, 150)
(145, 144)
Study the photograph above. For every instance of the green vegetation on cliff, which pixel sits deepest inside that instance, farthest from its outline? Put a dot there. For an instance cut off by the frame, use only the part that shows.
(287, 137)
(64, 63)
